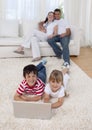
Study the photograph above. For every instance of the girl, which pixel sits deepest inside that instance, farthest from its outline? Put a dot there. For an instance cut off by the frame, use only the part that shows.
(56, 87)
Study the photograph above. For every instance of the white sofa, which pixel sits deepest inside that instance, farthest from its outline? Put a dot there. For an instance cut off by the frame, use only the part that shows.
(12, 34)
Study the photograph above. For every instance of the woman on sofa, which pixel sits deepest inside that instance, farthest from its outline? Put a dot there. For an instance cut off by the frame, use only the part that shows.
(47, 29)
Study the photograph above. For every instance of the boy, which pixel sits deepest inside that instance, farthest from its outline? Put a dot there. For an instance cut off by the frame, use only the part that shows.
(32, 87)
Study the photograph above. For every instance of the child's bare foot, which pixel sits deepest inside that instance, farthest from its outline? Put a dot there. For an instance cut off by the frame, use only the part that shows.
(67, 94)
(65, 70)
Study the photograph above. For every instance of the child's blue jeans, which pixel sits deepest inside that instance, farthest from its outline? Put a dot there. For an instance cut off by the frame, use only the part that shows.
(42, 72)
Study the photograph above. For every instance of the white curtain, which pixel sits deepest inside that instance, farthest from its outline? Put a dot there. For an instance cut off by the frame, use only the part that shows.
(51, 5)
(19, 9)
(27, 9)
(79, 13)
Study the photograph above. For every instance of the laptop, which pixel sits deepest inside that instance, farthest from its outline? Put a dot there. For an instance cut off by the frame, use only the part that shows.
(32, 110)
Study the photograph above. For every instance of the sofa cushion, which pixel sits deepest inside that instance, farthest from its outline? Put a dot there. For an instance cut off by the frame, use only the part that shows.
(45, 44)
(11, 41)
(9, 28)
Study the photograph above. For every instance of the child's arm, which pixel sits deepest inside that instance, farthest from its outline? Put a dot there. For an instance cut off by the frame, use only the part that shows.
(18, 97)
(33, 98)
(46, 98)
(58, 103)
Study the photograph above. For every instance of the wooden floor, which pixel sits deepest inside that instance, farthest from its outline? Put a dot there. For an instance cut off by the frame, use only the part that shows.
(84, 60)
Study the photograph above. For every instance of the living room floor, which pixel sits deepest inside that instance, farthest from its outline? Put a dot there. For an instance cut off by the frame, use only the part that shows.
(84, 60)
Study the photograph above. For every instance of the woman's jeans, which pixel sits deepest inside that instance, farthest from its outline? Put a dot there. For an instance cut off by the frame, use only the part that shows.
(65, 47)
(41, 72)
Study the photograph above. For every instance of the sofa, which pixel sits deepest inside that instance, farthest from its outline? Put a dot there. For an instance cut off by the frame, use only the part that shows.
(13, 33)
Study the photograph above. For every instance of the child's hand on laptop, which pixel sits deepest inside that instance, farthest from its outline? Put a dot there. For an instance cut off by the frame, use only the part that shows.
(31, 97)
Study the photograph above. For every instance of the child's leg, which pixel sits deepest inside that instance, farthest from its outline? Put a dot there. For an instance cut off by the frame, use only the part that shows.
(66, 76)
(40, 66)
(65, 80)
(42, 72)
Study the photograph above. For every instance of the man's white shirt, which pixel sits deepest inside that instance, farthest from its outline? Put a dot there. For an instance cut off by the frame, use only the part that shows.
(62, 25)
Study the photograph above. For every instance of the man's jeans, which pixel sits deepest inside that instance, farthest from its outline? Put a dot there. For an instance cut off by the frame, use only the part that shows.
(41, 72)
(65, 47)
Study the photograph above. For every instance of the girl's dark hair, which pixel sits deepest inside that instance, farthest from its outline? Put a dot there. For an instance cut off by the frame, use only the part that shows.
(30, 69)
(46, 20)
(47, 16)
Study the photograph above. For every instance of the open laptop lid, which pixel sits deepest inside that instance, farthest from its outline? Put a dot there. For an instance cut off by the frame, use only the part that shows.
(33, 110)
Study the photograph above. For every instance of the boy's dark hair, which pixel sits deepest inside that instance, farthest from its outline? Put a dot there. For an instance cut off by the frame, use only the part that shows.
(57, 10)
(30, 69)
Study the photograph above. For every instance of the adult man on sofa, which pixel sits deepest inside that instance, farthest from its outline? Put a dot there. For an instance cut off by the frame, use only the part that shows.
(63, 37)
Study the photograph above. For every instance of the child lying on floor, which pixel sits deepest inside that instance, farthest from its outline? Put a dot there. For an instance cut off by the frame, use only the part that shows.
(56, 88)
(32, 87)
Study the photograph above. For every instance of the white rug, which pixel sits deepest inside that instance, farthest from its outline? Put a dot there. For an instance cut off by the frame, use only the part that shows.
(75, 114)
